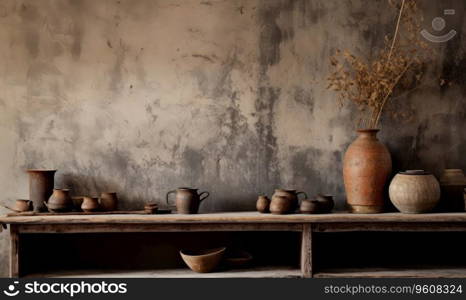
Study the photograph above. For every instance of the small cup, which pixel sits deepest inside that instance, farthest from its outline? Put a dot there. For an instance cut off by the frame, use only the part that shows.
(90, 204)
(23, 205)
(326, 201)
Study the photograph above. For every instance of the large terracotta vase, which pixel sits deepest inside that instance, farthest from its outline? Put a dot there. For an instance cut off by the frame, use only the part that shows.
(366, 169)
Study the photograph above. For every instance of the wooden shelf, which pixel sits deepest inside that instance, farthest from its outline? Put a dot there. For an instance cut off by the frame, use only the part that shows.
(424, 272)
(263, 272)
(237, 217)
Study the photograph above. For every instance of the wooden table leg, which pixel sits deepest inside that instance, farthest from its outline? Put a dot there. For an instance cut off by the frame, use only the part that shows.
(14, 251)
(306, 251)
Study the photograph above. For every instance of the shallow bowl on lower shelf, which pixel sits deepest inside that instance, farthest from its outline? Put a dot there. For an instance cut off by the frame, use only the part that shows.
(203, 261)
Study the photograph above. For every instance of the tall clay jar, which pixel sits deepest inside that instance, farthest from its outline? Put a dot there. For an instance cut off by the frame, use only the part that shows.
(366, 169)
(41, 184)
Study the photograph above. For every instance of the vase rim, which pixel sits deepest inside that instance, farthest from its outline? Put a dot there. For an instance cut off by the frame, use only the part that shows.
(415, 172)
(40, 170)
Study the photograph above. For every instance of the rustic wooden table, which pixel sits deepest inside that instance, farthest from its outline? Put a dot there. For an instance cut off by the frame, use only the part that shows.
(306, 225)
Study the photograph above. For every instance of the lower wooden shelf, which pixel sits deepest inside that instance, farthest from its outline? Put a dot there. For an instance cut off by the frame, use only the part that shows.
(260, 272)
(424, 272)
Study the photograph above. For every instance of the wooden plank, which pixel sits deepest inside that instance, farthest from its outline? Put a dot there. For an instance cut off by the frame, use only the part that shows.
(432, 272)
(96, 228)
(14, 251)
(392, 226)
(257, 272)
(78, 213)
(239, 217)
(306, 251)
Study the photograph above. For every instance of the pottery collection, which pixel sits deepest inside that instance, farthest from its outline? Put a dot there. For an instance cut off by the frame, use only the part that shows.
(366, 158)
(187, 200)
(452, 183)
(41, 183)
(60, 201)
(414, 192)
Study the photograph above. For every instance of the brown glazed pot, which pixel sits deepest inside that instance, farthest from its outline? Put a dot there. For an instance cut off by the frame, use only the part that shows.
(452, 183)
(366, 168)
(414, 192)
(263, 204)
(40, 187)
(109, 201)
(60, 201)
(310, 206)
(187, 200)
(285, 201)
(90, 204)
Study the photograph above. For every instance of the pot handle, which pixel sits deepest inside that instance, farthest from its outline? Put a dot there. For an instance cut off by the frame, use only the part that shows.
(201, 198)
(46, 205)
(170, 192)
(298, 193)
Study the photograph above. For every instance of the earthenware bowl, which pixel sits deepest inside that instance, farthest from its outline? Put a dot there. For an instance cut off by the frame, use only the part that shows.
(310, 206)
(203, 261)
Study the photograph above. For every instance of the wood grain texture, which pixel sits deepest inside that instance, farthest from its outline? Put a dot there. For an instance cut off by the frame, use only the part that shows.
(14, 252)
(102, 228)
(306, 251)
(237, 217)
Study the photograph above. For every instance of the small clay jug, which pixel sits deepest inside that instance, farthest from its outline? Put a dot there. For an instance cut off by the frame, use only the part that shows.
(108, 201)
(309, 206)
(327, 202)
(60, 201)
(90, 204)
(187, 200)
(22, 205)
(290, 195)
(263, 204)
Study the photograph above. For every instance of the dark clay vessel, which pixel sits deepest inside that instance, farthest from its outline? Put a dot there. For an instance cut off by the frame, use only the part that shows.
(60, 201)
(187, 200)
(263, 204)
(40, 187)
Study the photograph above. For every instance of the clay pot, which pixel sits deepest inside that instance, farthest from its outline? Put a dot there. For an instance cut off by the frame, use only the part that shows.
(90, 204)
(23, 205)
(310, 207)
(366, 168)
(263, 204)
(60, 201)
(109, 201)
(452, 184)
(281, 205)
(203, 261)
(414, 192)
(326, 202)
(187, 200)
(40, 187)
(286, 201)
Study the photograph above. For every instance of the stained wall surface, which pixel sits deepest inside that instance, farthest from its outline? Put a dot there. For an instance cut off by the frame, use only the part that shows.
(142, 96)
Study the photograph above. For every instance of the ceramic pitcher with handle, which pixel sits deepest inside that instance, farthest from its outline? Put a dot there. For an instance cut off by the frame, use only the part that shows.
(187, 200)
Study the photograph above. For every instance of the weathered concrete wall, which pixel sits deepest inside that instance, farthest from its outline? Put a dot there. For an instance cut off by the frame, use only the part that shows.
(143, 96)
